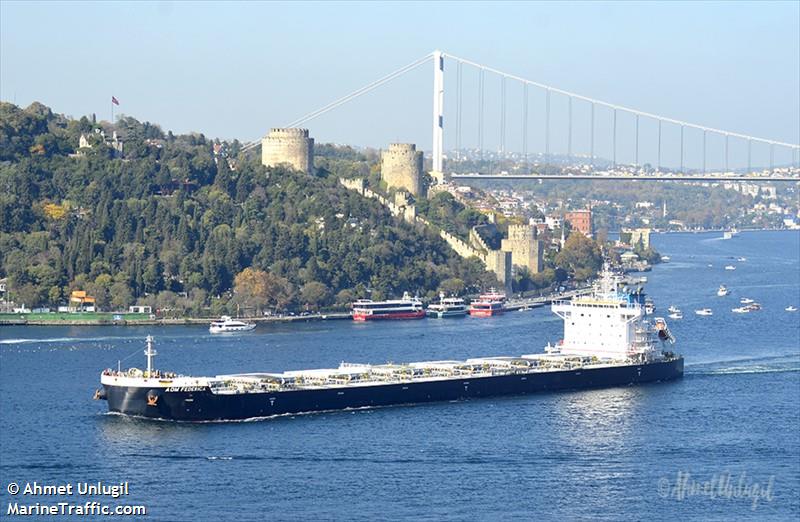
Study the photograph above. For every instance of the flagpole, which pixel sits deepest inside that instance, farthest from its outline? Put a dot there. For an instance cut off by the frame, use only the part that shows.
(112, 110)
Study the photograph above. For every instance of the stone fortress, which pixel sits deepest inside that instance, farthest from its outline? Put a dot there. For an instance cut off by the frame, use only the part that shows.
(290, 147)
(401, 168)
(525, 249)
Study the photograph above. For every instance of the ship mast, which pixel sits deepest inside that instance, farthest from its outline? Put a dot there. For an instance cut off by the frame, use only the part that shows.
(150, 353)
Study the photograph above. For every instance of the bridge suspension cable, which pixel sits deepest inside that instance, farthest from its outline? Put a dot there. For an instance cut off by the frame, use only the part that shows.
(615, 107)
(355, 94)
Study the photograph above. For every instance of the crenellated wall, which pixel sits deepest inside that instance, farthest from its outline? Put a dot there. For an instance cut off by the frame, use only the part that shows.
(401, 167)
(289, 147)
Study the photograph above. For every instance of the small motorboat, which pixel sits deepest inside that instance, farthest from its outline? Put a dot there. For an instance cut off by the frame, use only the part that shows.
(741, 259)
(665, 259)
(704, 311)
(791, 308)
(730, 267)
(753, 307)
(673, 309)
(746, 300)
(226, 325)
(740, 310)
(723, 291)
(676, 315)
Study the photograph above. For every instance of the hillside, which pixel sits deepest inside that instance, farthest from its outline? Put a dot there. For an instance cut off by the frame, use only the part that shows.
(175, 219)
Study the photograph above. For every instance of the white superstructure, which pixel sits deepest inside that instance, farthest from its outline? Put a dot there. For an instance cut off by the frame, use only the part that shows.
(608, 324)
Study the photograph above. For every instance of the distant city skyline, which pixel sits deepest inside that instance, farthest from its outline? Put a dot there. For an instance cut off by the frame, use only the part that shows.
(234, 70)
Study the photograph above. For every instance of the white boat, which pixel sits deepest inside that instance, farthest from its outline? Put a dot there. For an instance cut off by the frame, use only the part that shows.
(730, 267)
(448, 307)
(704, 311)
(791, 308)
(729, 234)
(676, 315)
(741, 259)
(740, 310)
(673, 309)
(723, 291)
(406, 308)
(665, 259)
(746, 300)
(226, 324)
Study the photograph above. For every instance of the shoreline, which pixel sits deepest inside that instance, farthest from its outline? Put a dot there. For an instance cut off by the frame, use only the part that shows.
(512, 306)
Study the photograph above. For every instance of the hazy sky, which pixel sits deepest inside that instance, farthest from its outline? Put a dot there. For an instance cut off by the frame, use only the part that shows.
(234, 70)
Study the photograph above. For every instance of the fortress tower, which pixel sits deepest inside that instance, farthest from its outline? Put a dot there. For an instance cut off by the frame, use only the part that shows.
(401, 167)
(292, 147)
(525, 249)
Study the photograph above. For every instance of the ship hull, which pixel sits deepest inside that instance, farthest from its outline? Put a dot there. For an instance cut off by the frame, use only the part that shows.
(446, 314)
(485, 312)
(398, 315)
(200, 404)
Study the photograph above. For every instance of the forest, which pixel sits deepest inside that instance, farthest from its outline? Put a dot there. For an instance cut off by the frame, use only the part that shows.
(194, 227)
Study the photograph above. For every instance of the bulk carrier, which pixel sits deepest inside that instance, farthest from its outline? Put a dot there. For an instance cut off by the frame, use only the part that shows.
(608, 341)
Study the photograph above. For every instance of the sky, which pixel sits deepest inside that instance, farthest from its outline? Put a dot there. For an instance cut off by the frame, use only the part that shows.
(233, 70)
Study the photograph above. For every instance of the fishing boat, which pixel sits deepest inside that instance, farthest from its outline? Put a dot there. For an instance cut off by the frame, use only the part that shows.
(228, 325)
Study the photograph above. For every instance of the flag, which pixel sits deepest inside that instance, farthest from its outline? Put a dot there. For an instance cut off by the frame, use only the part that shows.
(114, 101)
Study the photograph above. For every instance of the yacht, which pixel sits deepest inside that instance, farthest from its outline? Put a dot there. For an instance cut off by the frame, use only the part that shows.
(447, 307)
(226, 325)
(704, 311)
(723, 291)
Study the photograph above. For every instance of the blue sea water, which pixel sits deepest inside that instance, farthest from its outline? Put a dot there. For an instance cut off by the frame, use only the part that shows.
(631, 453)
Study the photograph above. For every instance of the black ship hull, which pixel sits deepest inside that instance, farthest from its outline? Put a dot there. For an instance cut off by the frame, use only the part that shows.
(200, 404)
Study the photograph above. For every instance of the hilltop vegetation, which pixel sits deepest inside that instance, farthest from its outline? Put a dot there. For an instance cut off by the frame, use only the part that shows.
(177, 220)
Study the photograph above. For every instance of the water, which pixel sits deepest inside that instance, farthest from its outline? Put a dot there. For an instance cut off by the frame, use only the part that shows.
(600, 454)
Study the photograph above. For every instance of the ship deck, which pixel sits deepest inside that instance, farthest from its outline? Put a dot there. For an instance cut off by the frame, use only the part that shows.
(357, 375)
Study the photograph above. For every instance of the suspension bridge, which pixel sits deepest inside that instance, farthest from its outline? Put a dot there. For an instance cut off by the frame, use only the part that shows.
(587, 138)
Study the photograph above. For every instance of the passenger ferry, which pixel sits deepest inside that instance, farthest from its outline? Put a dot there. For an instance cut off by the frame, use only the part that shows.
(406, 308)
(447, 307)
(608, 341)
(227, 325)
(489, 304)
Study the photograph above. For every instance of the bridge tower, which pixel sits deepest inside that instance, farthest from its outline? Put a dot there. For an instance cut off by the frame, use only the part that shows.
(437, 169)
